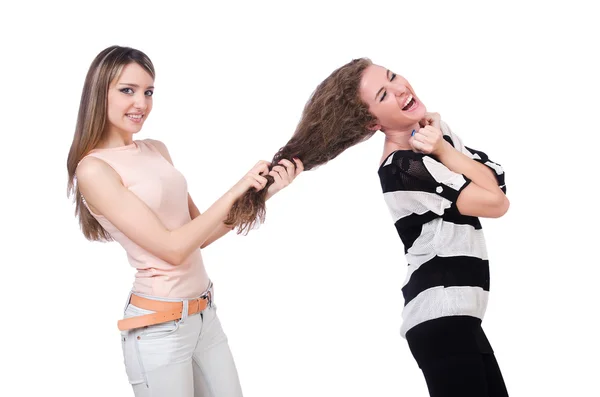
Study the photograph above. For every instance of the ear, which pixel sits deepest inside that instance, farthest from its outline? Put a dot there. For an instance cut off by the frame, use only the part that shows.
(374, 126)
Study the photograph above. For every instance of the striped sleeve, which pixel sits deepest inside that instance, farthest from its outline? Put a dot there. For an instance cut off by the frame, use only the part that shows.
(416, 183)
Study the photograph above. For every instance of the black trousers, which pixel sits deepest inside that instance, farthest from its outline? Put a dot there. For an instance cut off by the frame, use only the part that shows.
(456, 358)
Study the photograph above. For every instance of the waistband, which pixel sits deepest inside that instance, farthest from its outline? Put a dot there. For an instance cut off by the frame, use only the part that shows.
(165, 309)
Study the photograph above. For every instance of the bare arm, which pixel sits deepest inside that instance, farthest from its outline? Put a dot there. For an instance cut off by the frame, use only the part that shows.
(283, 177)
(219, 231)
(486, 171)
(105, 194)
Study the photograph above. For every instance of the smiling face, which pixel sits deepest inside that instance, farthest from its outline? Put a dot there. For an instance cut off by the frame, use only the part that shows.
(390, 98)
(129, 100)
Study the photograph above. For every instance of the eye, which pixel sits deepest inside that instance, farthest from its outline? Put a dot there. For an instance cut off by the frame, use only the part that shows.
(385, 93)
(126, 90)
(149, 93)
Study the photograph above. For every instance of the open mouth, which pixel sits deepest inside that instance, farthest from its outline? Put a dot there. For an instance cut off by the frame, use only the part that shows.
(136, 118)
(410, 104)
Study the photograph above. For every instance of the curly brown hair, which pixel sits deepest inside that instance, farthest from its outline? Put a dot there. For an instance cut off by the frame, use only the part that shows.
(334, 119)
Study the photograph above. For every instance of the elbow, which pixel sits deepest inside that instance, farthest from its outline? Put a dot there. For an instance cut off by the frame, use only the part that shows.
(173, 257)
(506, 204)
(174, 254)
(179, 255)
(177, 260)
(501, 206)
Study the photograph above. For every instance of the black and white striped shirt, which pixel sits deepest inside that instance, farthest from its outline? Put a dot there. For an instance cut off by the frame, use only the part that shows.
(448, 269)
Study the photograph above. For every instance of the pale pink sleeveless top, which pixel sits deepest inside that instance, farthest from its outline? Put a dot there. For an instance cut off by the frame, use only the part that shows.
(147, 174)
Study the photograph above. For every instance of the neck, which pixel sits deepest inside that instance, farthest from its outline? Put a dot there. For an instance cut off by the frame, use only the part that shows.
(398, 138)
(114, 139)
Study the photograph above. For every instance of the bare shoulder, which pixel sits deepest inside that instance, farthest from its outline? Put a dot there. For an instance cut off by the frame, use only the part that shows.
(95, 178)
(91, 169)
(161, 147)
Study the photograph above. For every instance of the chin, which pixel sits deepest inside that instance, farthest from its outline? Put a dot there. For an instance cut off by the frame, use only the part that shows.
(134, 130)
(421, 113)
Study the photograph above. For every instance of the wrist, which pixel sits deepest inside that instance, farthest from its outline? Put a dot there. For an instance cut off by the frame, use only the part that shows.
(231, 196)
(443, 149)
(270, 192)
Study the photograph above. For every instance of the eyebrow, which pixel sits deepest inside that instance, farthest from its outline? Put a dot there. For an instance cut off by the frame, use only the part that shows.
(135, 85)
(387, 75)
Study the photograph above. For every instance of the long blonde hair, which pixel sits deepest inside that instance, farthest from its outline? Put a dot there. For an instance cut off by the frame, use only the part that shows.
(91, 123)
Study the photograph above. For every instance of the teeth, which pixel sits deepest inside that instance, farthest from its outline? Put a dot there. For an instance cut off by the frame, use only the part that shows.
(407, 101)
(135, 116)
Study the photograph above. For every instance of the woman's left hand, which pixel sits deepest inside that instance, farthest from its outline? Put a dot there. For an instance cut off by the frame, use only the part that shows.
(428, 140)
(430, 118)
(284, 173)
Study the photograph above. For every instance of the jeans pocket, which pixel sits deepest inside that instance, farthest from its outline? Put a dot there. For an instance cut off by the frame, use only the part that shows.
(131, 357)
(159, 331)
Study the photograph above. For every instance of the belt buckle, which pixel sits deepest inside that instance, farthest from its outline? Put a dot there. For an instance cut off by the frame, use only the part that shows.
(208, 296)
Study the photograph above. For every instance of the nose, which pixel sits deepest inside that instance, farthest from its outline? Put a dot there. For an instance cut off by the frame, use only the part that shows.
(140, 101)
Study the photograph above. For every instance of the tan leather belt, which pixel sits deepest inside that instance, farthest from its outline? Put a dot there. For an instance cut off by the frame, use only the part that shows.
(164, 311)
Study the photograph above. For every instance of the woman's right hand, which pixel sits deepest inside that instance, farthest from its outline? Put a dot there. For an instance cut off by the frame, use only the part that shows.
(253, 179)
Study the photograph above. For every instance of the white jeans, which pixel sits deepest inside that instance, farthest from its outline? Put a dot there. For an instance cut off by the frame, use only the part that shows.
(184, 358)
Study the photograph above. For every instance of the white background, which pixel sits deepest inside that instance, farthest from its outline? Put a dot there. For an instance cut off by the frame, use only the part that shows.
(311, 301)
